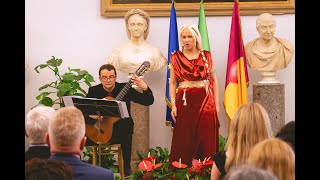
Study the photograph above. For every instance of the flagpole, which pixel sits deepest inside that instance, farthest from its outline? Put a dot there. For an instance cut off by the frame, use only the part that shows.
(173, 45)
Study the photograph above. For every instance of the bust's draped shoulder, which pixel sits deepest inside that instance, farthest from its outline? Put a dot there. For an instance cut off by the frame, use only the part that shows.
(287, 45)
(128, 57)
(114, 57)
(159, 60)
(274, 58)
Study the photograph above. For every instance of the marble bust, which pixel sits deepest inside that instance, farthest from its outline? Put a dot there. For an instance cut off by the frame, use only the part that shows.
(267, 53)
(129, 56)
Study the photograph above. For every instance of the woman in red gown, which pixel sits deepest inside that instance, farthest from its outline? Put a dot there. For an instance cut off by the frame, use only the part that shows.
(194, 100)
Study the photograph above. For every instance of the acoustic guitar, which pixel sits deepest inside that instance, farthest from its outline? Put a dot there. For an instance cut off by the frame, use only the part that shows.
(103, 134)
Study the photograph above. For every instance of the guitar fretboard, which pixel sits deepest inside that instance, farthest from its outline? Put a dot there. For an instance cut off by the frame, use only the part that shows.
(124, 91)
(144, 66)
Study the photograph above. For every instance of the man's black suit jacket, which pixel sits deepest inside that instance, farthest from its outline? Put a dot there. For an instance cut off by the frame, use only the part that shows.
(122, 126)
(42, 152)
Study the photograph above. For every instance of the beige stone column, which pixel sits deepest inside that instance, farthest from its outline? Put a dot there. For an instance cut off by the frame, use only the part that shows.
(272, 98)
(140, 137)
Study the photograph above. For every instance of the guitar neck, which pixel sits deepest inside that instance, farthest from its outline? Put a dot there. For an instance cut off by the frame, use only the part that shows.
(124, 91)
(144, 66)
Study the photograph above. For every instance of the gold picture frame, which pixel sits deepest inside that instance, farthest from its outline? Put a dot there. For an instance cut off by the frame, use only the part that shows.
(118, 8)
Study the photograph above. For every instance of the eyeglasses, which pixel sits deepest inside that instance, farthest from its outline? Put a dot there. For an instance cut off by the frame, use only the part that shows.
(110, 78)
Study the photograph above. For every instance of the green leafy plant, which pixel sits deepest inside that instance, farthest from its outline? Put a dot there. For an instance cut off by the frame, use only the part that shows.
(66, 84)
(222, 142)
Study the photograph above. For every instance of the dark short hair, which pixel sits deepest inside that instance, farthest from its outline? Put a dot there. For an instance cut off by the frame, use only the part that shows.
(108, 67)
(287, 134)
(49, 169)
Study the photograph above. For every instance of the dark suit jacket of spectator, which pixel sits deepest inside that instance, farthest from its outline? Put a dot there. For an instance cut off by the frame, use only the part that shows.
(82, 170)
(42, 152)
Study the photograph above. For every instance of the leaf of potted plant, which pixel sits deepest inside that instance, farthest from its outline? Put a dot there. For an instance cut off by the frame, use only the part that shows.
(66, 84)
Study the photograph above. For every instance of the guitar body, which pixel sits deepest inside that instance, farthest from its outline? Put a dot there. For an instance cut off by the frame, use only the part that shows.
(106, 126)
(103, 134)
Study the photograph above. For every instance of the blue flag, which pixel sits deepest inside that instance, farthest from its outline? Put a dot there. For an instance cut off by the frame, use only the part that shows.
(172, 46)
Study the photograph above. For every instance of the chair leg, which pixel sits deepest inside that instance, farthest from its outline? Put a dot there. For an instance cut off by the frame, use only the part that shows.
(120, 160)
(94, 156)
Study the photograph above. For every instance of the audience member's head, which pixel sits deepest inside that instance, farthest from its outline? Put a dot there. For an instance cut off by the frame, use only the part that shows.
(287, 134)
(66, 132)
(249, 125)
(37, 122)
(276, 156)
(48, 169)
(247, 172)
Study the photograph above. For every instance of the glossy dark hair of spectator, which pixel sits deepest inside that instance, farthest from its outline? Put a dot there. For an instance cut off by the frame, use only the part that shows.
(287, 134)
(48, 169)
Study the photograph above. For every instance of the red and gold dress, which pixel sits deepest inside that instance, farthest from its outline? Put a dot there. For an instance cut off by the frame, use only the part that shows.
(196, 131)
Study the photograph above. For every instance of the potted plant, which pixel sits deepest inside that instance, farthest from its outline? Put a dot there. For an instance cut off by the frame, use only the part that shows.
(66, 84)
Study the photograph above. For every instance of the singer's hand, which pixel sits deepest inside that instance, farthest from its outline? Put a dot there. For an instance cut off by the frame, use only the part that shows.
(174, 113)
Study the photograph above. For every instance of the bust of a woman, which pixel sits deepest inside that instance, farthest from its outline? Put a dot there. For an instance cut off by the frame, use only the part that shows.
(129, 56)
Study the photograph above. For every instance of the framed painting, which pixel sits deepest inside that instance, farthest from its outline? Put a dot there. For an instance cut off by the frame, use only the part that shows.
(118, 8)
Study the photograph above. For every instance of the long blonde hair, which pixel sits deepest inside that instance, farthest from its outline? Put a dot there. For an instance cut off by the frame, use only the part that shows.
(275, 156)
(249, 125)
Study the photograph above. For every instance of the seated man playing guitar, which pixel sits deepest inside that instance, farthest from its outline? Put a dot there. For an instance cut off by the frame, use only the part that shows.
(110, 89)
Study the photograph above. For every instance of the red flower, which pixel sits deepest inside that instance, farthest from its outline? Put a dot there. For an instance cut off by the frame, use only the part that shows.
(148, 166)
(179, 164)
(197, 165)
(207, 163)
(150, 158)
(156, 166)
(145, 166)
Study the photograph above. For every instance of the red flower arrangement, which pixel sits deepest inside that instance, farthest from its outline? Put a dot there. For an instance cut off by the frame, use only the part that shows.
(199, 170)
(150, 170)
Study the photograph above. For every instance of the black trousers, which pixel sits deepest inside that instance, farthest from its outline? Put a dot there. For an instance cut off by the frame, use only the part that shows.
(125, 141)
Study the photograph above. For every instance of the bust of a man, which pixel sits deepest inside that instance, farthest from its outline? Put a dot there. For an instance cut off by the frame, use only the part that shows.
(268, 53)
(129, 56)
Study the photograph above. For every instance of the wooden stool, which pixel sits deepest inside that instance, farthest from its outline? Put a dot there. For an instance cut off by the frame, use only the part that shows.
(112, 149)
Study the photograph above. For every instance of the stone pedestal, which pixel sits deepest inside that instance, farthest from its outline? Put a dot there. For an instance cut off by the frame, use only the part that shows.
(272, 98)
(140, 137)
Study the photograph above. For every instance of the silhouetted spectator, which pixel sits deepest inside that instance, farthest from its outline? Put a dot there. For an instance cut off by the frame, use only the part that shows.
(287, 133)
(48, 169)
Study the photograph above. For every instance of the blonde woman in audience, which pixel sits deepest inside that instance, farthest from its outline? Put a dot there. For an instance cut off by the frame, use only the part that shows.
(249, 125)
(276, 156)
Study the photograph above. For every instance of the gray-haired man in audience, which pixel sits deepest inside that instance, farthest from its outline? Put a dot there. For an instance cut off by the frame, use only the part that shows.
(37, 122)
